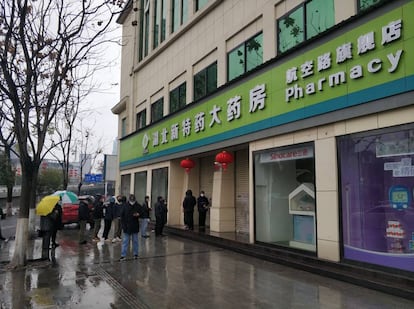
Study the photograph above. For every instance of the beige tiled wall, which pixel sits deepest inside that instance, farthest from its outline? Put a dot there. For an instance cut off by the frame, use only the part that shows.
(226, 25)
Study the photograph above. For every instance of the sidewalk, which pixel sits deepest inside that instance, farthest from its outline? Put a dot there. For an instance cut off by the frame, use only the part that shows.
(171, 272)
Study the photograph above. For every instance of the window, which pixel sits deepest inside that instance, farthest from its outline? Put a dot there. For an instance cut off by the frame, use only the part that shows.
(144, 29)
(200, 4)
(179, 13)
(159, 22)
(159, 186)
(304, 22)
(140, 186)
(205, 81)
(365, 4)
(284, 194)
(377, 196)
(178, 98)
(245, 57)
(141, 119)
(157, 110)
(123, 127)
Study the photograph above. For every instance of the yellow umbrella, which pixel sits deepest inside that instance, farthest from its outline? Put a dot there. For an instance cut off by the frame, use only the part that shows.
(46, 205)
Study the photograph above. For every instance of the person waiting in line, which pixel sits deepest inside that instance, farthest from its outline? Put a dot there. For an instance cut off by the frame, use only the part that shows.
(47, 226)
(144, 217)
(84, 217)
(108, 217)
(56, 222)
(130, 227)
(161, 211)
(2, 215)
(202, 206)
(119, 203)
(98, 215)
(188, 209)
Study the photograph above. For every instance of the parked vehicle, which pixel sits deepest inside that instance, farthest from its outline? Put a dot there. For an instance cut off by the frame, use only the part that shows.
(70, 211)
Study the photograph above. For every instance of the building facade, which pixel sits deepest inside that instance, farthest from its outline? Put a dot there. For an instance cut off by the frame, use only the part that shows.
(314, 102)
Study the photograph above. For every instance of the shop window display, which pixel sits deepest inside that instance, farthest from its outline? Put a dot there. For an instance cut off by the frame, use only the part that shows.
(377, 187)
(285, 197)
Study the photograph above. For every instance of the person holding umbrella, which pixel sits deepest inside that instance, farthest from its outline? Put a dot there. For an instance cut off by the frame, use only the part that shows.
(48, 211)
(57, 222)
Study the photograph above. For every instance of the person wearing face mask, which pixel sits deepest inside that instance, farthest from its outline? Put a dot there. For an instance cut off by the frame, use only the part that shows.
(144, 217)
(161, 211)
(119, 203)
(202, 206)
(130, 226)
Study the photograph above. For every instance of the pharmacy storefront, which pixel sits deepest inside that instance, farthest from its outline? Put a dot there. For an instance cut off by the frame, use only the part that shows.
(377, 196)
(329, 137)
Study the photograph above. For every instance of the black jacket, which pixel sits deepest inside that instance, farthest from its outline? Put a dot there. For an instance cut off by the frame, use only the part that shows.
(202, 203)
(189, 201)
(129, 222)
(161, 211)
(83, 211)
(144, 212)
(98, 210)
(109, 211)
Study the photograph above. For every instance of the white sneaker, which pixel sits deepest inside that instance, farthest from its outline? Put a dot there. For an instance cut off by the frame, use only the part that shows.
(119, 239)
(114, 240)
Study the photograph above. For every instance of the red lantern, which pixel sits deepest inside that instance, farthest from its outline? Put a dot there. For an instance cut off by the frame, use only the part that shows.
(188, 164)
(224, 158)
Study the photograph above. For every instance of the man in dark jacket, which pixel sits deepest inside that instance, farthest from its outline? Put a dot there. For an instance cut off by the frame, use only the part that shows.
(56, 222)
(130, 226)
(98, 215)
(188, 209)
(83, 214)
(109, 216)
(144, 217)
(202, 206)
(116, 222)
(161, 211)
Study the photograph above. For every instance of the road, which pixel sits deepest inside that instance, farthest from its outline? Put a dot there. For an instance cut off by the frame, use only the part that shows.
(8, 226)
(171, 272)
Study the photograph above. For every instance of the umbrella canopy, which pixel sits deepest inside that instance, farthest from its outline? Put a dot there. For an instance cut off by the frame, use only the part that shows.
(68, 197)
(46, 205)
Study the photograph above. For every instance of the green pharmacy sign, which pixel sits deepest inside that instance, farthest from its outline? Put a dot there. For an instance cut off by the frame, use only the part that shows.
(367, 63)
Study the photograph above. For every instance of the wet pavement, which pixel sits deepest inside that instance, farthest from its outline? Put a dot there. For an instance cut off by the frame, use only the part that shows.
(171, 272)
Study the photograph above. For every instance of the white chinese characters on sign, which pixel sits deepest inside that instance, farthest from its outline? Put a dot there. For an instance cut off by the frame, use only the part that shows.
(365, 43)
(233, 108)
(257, 96)
(214, 115)
(391, 32)
(199, 122)
(186, 127)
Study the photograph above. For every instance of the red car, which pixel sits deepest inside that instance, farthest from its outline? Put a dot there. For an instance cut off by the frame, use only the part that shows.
(70, 211)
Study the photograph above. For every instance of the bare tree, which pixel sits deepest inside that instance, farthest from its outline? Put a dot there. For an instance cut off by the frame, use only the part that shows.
(47, 52)
(7, 172)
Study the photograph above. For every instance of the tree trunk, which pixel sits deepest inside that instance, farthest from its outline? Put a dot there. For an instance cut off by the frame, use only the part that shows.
(9, 201)
(22, 229)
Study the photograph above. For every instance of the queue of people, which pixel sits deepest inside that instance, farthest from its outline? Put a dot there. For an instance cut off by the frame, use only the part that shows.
(125, 216)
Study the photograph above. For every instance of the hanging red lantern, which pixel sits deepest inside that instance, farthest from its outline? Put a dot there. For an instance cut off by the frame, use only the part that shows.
(224, 158)
(188, 164)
